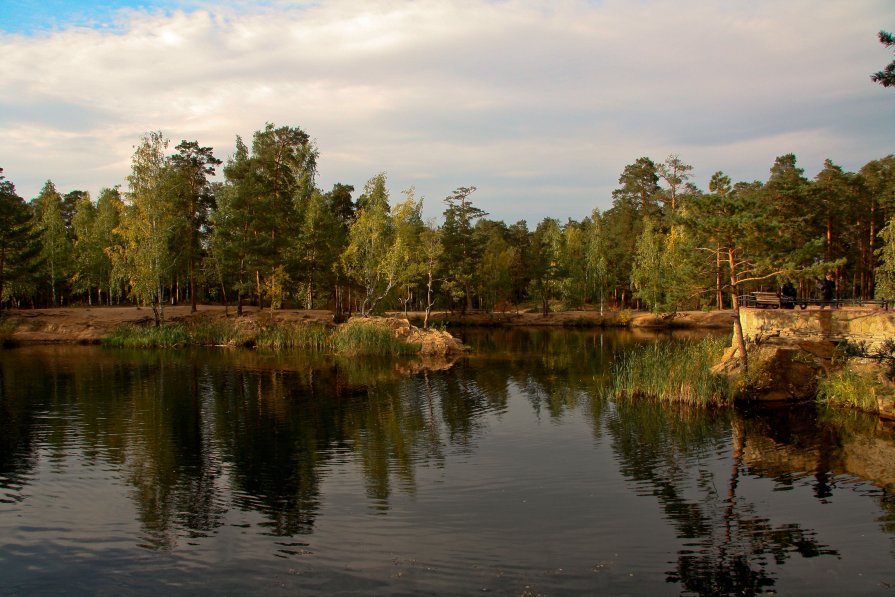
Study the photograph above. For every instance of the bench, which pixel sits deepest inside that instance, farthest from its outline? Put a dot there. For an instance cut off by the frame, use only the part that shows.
(763, 300)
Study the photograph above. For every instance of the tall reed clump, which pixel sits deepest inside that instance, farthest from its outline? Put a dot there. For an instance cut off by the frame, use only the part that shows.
(291, 336)
(678, 371)
(848, 388)
(218, 332)
(360, 336)
(135, 336)
(6, 330)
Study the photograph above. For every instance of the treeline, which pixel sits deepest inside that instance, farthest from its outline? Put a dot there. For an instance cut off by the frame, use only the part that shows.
(267, 235)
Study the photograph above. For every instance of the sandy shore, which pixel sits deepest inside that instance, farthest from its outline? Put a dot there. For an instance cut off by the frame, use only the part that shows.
(91, 324)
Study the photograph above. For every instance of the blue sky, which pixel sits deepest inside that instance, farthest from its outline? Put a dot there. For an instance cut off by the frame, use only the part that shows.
(30, 17)
(540, 105)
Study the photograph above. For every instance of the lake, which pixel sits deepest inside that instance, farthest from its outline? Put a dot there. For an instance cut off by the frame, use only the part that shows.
(239, 472)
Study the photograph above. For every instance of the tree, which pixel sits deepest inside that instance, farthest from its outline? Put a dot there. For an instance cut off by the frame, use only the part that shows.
(18, 241)
(573, 266)
(149, 223)
(639, 187)
(431, 250)
(595, 256)
(55, 245)
(461, 247)
(281, 180)
(258, 225)
(495, 264)
(739, 221)
(675, 173)
(88, 252)
(885, 77)
(545, 264)
(875, 206)
(406, 254)
(368, 259)
(191, 167)
(341, 208)
(885, 271)
(109, 208)
(648, 271)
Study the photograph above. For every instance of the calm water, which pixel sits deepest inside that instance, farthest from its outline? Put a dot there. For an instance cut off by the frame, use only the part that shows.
(237, 472)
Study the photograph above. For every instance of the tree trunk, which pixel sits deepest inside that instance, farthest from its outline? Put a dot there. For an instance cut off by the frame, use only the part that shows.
(735, 299)
(192, 280)
(718, 290)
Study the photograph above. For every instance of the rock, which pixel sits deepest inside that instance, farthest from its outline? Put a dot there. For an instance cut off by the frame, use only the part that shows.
(886, 408)
(781, 373)
(432, 342)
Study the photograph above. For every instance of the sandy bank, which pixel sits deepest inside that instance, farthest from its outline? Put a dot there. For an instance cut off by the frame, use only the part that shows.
(88, 325)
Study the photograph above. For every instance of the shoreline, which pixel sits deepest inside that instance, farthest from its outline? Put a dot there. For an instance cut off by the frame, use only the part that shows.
(90, 325)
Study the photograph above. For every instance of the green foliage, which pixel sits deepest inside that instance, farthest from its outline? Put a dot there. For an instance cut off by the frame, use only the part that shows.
(55, 245)
(19, 248)
(461, 246)
(369, 259)
(649, 269)
(673, 372)
(885, 271)
(885, 77)
(268, 235)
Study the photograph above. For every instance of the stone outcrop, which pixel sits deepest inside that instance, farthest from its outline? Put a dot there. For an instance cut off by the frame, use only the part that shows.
(432, 342)
(870, 327)
(789, 351)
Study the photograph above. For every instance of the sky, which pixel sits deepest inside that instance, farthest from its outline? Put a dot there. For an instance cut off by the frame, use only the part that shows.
(540, 105)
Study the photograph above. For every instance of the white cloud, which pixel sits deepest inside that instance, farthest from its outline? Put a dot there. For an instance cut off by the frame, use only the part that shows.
(539, 105)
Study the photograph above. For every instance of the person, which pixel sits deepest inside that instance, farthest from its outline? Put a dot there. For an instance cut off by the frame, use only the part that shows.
(788, 296)
(828, 289)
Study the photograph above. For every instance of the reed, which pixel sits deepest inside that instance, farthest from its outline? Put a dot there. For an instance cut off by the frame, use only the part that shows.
(849, 388)
(361, 337)
(673, 372)
(134, 336)
(293, 336)
(357, 337)
(219, 332)
(7, 328)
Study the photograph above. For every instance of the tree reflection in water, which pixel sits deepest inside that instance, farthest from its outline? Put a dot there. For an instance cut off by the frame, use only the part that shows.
(728, 545)
(200, 434)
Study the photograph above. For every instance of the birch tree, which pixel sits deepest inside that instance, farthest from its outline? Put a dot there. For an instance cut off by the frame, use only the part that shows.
(148, 223)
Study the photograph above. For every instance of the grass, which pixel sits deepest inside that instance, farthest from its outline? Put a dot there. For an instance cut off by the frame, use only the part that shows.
(294, 336)
(357, 337)
(218, 332)
(134, 336)
(849, 388)
(673, 372)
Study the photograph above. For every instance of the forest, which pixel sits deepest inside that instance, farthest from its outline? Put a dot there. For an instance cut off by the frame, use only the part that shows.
(266, 235)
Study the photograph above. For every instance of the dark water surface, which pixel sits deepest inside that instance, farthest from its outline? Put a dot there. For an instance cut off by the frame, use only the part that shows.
(234, 472)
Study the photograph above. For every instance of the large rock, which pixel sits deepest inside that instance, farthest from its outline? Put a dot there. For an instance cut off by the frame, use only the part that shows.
(781, 373)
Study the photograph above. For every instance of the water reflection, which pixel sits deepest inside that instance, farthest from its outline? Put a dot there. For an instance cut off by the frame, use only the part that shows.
(199, 436)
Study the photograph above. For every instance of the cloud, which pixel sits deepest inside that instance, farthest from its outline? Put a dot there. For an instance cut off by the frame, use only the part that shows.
(539, 105)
